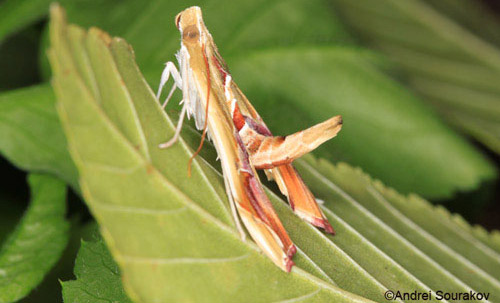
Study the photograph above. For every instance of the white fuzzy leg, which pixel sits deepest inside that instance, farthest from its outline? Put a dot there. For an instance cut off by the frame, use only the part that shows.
(169, 69)
(169, 96)
(177, 129)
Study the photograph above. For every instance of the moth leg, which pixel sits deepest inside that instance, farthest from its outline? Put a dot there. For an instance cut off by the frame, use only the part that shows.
(269, 174)
(174, 86)
(177, 129)
(169, 69)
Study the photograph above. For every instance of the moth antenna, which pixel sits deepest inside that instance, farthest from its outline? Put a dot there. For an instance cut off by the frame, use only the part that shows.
(206, 112)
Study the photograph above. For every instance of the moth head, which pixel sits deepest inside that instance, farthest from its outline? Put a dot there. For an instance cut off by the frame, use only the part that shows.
(190, 24)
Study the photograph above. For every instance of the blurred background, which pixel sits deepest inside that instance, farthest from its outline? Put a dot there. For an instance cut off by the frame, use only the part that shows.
(439, 60)
(418, 84)
(446, 52)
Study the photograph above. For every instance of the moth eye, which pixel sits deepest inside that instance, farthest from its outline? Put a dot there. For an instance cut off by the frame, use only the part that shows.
(190, 32)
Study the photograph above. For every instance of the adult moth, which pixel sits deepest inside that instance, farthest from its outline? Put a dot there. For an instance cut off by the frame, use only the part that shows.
(243, 141)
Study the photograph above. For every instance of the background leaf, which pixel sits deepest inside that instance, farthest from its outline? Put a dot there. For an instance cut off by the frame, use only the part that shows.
(448, 51)
(170, 234)
(32, 138)
(19, 60)
(38, 241)
(15, 14)
(285, 67)
(98, 277)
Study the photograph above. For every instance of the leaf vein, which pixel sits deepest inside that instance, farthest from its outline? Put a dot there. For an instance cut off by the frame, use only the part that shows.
(301, 298)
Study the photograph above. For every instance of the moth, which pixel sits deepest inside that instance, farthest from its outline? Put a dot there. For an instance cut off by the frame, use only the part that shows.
(243, 141)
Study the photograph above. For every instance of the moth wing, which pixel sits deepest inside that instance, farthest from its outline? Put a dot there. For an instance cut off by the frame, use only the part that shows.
(270, 151)
(300, 198)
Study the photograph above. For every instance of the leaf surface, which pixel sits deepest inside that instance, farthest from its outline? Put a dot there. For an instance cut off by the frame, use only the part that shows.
(32, 138)
(97, 276)
(15, 14)
(38, 241)
(421, 238)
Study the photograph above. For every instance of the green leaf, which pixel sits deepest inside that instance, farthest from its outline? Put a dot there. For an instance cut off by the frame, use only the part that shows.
(97, 276)
(170, 234)
(422, 238)
(296, 63)
(18, 59)
(476, 16)
(37, 242)
(140, 194)
(15, 14)
(448, 51)
(32, 138)
(50, 289)
(492, 239)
